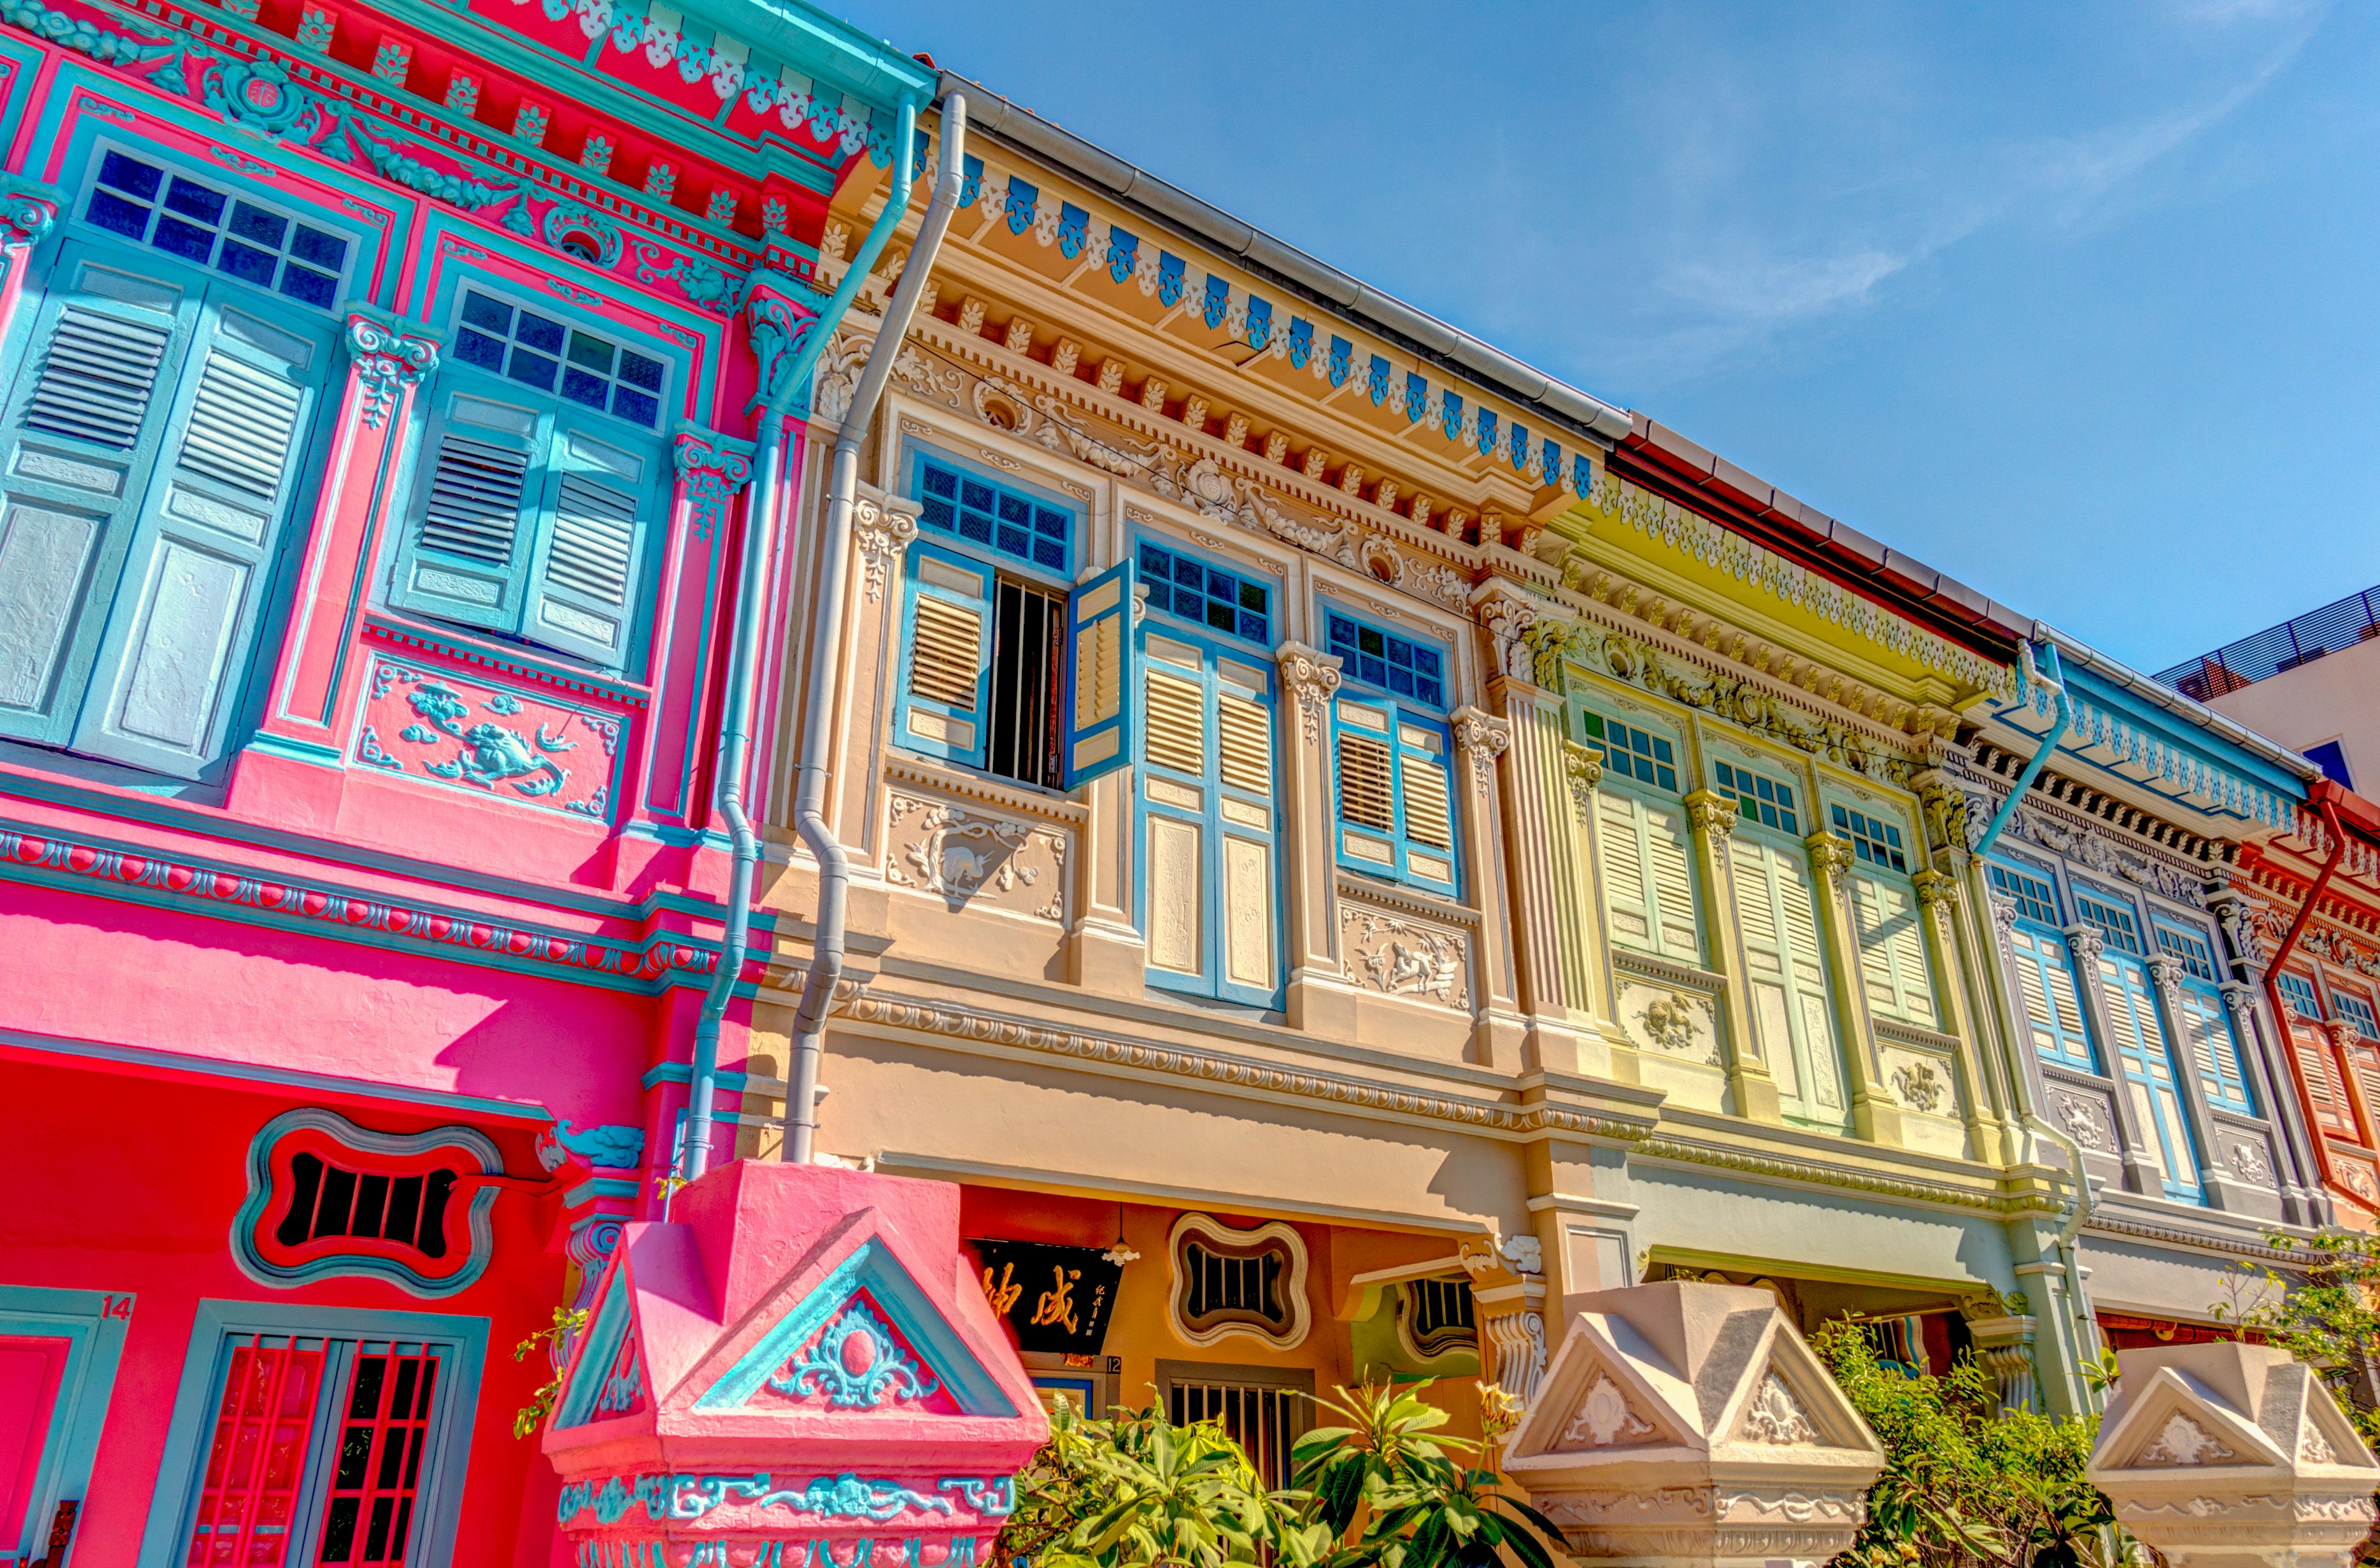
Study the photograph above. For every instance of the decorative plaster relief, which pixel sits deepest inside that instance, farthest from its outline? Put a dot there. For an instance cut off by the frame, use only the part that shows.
(2250, 1157)
(972, 857)
(2090, 847)
(1669, 1020)
(1920, 1081)
(442, 727)
(2087, 1118)
(1402, 957)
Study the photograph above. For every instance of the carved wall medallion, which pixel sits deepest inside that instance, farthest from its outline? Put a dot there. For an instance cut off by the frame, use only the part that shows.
(2085, 1118)
(1605, 1418)
(1402, 957)
(971, 857)
(2184, 1441)
(1674, 1022)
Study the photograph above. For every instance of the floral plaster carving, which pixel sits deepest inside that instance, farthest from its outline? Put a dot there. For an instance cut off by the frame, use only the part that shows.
(2092, 848)
(1679, 1023)
(1483, 739)
(970, 856)
(883, 535)
(2251, 1163)
(1401, 958)
(1310, 675)
(2184, 1441)
(387, 361)
(2085, 1118)
(1605, 1418)
(1776, 1418)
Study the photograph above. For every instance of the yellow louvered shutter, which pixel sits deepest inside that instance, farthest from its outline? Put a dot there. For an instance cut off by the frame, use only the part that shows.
(1673, 882)
(1246, 734)
(1177, 723)
(1892, 952)
(949, 653)
(1427, 818)
(1627, 899)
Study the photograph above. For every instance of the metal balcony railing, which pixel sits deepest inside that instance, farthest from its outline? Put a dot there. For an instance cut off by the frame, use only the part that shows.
(2299, 640)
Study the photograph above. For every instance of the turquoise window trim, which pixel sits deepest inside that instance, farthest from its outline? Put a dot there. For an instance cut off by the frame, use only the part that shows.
(2204, 1008)
(1213, 826)
(1058, 575)
(1404, 759)
(2153, 1072)
(2036, 895)
(461, 1343)
(69, 1446)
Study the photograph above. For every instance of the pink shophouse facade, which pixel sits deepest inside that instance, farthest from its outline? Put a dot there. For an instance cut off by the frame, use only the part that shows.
(386, 400)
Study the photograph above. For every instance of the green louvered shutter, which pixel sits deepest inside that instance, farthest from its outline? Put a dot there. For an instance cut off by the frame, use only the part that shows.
(81, 432)
(195, 583)
(1892, 952)
(1648, 876)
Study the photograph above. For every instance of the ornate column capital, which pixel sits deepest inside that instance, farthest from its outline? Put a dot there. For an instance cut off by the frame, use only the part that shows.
(883, 527)
(1508, 614)
(711, 467)
(2004, 922)
(1711, 813)
(2242, 1000)
(1936, 888)
(1830, 857)
(1583, 769)
(779, 312)
(1483, 738)
(2167, 972)
(28, 210)
(2085, 943)
(390, 355)
(1310, 675)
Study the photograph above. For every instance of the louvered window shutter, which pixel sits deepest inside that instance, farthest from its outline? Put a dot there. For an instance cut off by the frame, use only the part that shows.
(1797, 907)
(582, 591)
(1208, 886)
(1424, 788)
(2207, 1022)
(1620, 851)
(2150, 1076)
(2044, 978)
(1362, 740)
(471, 526)
(1100, 676)
(945, 695)
(1245, 808)
(1892, 952)
(203, 554)
(1768, 966)
(1668, 857)
(84, 422)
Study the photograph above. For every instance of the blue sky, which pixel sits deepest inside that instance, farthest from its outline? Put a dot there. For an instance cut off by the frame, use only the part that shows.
(2078, 303)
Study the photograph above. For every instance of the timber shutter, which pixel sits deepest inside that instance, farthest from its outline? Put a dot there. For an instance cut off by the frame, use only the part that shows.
(1786, 975)
(2045, 979)
(1392, 763)
(945, 695)
(1647, 875)
(2303, 1019)
(1892, 952)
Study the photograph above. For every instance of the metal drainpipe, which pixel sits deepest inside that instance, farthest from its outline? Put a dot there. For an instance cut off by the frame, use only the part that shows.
(736, 704)
(2331, 822)
(2056, 678)
(826, 642)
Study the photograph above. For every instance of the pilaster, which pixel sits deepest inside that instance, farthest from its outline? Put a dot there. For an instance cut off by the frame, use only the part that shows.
(1937, 909)
(1320, 999)
(2224, 1189)
(1751, 1086)
(1876, 1115)
(28, 211)
(1541, 855)
(2142, 1172)
(698, 572)
(1480, 741)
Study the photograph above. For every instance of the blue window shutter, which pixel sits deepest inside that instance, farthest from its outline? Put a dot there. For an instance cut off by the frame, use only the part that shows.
(598, 506)
(944, 708)
(1426, 830)
(470, 529)
(1100, 681)
(1394, 793)
(202, 551)
(83, 426)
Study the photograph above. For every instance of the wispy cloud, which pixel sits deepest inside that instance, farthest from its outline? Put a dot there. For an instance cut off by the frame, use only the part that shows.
(1739, 294)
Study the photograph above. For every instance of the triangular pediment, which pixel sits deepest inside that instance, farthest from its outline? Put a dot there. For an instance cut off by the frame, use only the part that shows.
(2171, 1422)
(1608, 1392)
(861, 1338)
(1789, 1400)
(606, 1377)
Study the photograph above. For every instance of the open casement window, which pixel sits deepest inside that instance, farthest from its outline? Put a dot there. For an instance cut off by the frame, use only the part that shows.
(2317, 1060)
(1209, 821)
(2205, 1022)
(529, 519)
(1785, 975)
(154, 437)
(2044, 969)
(1394, 791)
(322, 1450)
(1648, 873)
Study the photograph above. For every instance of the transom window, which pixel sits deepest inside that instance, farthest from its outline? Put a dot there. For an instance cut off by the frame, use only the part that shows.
(1394, 664)
(2034, 898)
(2299, 990)
(1762, 799)
(330, 1200)
(2356, 1010)
(539, 351)
(1010, 521)
(1647, 759)
(1872, 839)
(2117, 925)
(1180, 586)
(195, 221)
(2196, 957)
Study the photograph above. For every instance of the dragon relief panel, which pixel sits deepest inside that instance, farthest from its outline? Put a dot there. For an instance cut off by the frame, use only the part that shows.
(1398, 955)
(442, 727)
(972, 858)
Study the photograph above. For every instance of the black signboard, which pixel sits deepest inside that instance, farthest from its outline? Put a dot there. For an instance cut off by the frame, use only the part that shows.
(1057, 1299)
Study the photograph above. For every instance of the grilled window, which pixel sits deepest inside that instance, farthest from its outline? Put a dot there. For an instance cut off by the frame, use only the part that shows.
(333, 1201)
(1629, 751)
(203, 223)
(1028, 671)
(1261, 1410)
(1436, 1315)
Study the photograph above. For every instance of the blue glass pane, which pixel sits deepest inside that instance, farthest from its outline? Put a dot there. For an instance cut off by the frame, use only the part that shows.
(1253, 627)
(112, 212)
(252, 223)
(938, 515)
(1371, 640)
(195, 202)
(481, 311)
(941, 481)
(321, 249)
(533, 369)
(539, 333)
(975, 495)
(637, 407)
(580, 387)
(1016, 542)
(1221, 616)
(1050, 553)
(247, 264)
(638, 371)
(478, 348)
(131, 175)
(1252, 597)
(1152, 562)
(975, 526)
(312, 287)
(1425, 662)
(1371, 670)
(177, 238)
(1015, 509)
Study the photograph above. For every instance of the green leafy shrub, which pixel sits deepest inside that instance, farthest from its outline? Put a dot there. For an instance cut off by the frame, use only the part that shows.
(1966, 1484)
(1135, 1490)
(2330, 1319)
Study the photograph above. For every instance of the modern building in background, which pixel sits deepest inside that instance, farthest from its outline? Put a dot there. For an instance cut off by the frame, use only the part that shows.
(1351, 843)
(2307, 683)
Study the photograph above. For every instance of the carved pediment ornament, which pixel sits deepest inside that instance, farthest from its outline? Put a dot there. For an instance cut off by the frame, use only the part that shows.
(1606, 1420)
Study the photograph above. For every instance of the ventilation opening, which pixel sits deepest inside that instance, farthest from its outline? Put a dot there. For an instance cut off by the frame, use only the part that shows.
(1262, 1421)
(329, 1200)
(1027, 661)
(579, 245)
